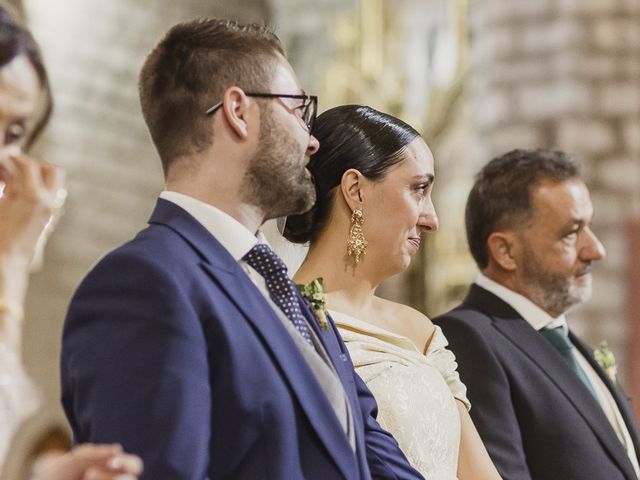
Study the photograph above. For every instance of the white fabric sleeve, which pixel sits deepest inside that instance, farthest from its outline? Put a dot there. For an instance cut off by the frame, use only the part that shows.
(444, 360)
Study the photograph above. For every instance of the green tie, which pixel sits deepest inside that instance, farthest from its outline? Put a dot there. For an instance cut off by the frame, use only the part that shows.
(560, 340)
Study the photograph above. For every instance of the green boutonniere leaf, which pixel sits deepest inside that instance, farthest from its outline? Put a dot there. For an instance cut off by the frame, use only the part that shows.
(313, 292)
(607, 360)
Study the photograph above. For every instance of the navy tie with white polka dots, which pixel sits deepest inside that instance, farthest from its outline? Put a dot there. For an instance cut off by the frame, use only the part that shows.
(281, 288)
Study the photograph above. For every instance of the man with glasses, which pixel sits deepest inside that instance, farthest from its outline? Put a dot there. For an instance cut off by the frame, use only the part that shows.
(190, 345)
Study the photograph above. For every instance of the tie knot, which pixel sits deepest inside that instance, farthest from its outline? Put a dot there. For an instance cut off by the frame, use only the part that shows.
(265, 261)
(558, 337)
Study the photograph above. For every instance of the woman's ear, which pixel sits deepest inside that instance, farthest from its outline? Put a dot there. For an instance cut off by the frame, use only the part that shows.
(235, 109)
(351, 187)
(502, 248)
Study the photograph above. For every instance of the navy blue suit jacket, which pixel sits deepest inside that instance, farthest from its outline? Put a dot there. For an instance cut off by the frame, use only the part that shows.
(535, 416)
(170, 349)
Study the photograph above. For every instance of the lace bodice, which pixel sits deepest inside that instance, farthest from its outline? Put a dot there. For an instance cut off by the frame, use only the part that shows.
(416, 393)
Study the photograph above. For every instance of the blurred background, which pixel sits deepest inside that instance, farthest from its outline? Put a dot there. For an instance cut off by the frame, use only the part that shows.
(477, 78)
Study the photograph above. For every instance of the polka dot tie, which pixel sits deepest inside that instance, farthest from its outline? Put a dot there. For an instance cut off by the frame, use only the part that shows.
(281, 288)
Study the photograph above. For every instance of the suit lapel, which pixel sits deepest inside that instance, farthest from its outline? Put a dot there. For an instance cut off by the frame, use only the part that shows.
(301, 380)
(616, 391)
(339, 356)
(336, 351)
(225, 271)
(534, 346)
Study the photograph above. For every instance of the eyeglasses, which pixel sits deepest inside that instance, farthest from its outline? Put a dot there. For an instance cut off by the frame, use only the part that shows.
(308, 108)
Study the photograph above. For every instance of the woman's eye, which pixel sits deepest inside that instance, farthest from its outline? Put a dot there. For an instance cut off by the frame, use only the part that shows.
(421, 189)
(14, 134)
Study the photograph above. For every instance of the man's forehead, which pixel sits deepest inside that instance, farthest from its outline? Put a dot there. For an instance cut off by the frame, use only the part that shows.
(568, 198)
(285, 79)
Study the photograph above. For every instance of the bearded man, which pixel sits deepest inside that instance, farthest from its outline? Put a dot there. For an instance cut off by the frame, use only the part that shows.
(543, 406)
(189, 345)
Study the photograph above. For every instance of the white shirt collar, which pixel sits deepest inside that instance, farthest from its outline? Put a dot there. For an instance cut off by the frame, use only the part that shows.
(531, 312)
(233, 236)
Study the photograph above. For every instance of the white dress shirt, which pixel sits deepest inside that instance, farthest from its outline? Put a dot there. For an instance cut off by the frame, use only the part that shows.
(231, 234)
(539, 319)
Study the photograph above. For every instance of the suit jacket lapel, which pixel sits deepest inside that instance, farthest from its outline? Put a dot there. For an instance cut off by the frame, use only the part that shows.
(338, 353)
(229, 276)
(300, 378)
(533, 345)
(618, 394)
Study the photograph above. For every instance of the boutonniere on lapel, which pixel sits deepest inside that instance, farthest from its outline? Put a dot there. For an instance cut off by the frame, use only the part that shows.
(313, 293)
(606, 360)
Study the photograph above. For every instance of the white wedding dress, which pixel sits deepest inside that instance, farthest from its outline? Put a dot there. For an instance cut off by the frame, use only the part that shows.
(416, 393)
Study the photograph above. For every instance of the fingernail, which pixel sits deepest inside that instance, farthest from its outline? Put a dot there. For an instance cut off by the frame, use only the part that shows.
(14, 151)
(116, 462)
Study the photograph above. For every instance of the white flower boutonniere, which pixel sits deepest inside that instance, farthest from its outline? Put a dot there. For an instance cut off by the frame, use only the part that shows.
(606, 360)
(313, 292)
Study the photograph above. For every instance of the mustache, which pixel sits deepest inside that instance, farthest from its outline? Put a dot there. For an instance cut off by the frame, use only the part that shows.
(584, 270)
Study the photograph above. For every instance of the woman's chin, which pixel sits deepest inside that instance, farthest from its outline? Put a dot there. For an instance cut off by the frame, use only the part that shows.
(401, 264)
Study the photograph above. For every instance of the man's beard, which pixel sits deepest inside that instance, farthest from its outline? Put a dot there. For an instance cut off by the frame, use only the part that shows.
(276, 179)
(553, 292)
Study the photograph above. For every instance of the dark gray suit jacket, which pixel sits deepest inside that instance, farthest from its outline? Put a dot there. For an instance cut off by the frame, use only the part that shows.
(536, 418)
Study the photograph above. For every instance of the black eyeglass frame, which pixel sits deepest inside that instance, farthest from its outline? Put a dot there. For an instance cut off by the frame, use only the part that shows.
(310, 104)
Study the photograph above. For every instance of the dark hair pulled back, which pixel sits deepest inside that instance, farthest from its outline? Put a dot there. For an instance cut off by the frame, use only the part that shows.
(350, 136)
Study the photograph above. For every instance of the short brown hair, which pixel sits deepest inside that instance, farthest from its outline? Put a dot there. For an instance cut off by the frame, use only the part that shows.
(189, 71)
(501, 195)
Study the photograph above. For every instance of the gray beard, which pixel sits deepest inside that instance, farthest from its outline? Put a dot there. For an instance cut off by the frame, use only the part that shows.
(553, 292)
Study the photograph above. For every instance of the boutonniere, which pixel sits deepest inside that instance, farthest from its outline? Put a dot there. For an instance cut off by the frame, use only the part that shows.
(606, 360)
(313, 293)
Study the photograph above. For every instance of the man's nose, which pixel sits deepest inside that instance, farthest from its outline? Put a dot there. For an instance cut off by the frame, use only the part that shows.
(593, 249)
(313, 146)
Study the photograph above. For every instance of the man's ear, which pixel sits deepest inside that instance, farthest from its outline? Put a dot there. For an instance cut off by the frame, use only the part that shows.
(502, 248)
(351, 188)
(235, 109)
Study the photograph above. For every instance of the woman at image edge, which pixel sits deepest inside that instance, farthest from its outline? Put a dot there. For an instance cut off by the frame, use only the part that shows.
(31, 191)
(376, 165)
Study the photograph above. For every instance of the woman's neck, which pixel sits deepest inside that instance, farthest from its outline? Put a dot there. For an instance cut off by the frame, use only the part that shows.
(350, 288)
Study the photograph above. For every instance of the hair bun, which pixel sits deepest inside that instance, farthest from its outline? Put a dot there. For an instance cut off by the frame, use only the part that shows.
(298, 228)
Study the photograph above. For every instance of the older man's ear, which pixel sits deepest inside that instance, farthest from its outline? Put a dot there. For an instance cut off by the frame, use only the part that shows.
(502, 247)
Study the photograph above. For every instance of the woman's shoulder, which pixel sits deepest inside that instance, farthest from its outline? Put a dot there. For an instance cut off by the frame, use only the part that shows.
(408, 321)
(402, 312)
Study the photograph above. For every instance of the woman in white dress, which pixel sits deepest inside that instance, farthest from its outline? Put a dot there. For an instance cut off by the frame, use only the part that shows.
(374, 175)
(29, 192)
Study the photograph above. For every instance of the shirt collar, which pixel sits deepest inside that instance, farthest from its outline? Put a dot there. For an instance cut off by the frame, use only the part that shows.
(531, 312)
(233, 236)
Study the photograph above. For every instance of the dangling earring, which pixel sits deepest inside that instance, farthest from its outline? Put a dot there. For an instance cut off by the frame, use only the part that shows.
(357, 244)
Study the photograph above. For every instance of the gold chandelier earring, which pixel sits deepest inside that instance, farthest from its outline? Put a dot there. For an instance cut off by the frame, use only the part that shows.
(357, 244)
